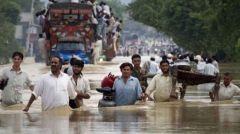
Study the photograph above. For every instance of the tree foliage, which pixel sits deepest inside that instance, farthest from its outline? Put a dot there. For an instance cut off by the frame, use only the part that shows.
(10, 10)
(200, 25)
(9, 16)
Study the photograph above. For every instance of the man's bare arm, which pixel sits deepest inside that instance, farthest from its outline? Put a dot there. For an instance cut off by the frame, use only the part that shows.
(32, 98)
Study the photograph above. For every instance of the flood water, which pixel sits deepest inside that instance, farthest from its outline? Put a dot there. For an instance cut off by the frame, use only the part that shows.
(168, 117)
(194, 114)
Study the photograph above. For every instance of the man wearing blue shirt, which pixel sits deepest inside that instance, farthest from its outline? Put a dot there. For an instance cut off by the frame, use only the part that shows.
(127, 88)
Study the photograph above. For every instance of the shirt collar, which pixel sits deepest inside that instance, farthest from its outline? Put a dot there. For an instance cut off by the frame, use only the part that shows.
(164, 75)
(20, 71)
(61, 74)
(130, 78)
(230, 85)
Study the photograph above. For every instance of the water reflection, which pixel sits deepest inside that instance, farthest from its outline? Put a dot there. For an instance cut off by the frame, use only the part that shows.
(168, 117)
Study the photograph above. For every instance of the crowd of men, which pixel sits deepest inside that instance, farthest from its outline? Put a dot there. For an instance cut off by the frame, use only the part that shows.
(57, 88)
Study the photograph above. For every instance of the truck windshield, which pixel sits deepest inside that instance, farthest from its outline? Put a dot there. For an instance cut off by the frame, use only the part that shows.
(70, 46)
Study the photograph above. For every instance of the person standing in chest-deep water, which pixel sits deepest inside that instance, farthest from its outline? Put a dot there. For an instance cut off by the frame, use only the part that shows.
(138, 72)
(79, 84)
(15, 81)
(127, 88)
(226, 91)
(162, 85)
(52, 87)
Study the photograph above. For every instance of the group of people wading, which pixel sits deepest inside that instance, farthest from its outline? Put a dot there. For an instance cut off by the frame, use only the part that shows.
(57, 88)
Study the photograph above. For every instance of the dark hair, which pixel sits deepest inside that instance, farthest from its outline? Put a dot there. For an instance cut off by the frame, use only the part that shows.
(126, 64)
(136, 56)
(164, 57)
(227, 74)
(79, 63)
(152, 59)
(215, 58)
(191, 57)
(209, 60)
(17, 54)
(72, 61)
(164, 61)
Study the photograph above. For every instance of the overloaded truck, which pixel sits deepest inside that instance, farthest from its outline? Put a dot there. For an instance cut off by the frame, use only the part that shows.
(69, 32)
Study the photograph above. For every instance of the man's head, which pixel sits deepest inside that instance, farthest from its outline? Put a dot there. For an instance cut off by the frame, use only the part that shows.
(93, 1)
(152, 58)
(227, 78)
(164, 65)
(136, 60)
(77, 67)
(209, 60)
(17, 58)
(56, 64)
(126, 69)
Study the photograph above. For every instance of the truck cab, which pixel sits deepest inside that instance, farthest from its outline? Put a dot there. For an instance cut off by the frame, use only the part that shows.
(66, 50)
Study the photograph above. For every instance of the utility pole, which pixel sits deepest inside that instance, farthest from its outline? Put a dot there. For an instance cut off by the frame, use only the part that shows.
(31, 31)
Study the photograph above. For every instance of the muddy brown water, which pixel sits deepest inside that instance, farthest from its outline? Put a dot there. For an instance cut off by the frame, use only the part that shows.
(168, 117)
(194, 114)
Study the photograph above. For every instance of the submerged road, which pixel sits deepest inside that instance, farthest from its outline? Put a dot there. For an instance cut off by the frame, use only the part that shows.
(194, 114)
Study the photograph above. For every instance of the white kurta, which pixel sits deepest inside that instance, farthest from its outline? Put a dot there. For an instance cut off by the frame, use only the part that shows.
(53, 91)
(161, 86)
(227, 93)
(82, 86)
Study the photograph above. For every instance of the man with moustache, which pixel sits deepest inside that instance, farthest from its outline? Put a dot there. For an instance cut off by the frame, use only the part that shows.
(79, 84)
(127, 88)
(52, 87)
(161, 85)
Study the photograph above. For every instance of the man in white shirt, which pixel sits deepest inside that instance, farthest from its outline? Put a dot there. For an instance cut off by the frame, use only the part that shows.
(209, 69)
(226, 89)
(16, 80)
(52, 87)
(151, 67)
(161, 85)
(79, 84)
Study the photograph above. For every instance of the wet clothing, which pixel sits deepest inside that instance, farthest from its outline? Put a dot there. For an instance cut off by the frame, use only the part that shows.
(53, 91)
(227, 93)
(215, 63)
(17, 82)
(136, 72)
(82, 85)
(209, 69)
(126, 93)
(161, 87)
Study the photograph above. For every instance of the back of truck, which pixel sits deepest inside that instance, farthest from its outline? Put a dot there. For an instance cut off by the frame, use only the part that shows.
(69, 31)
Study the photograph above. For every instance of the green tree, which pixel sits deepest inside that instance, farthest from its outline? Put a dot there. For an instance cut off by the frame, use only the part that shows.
(9, 16)
(10, 11)
(199, 25)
